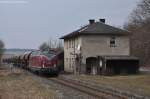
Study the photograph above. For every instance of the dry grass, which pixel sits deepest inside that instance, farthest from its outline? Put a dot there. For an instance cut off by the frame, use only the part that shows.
(139, 84)
(17, 85)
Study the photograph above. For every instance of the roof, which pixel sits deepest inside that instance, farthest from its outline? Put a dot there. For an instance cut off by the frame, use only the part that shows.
(120, 57)
(97, 28)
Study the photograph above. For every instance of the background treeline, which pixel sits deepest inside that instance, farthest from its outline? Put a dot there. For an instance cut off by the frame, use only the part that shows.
(139, 25)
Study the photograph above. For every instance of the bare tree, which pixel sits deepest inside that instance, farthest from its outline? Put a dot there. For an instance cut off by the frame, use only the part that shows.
(59, 45)
(52, 44)
(141, 13)
(44, 46)
(139, 25)
(1, 50)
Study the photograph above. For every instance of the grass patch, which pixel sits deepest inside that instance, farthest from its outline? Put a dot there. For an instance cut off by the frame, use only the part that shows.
(15, 86)
(139, 84)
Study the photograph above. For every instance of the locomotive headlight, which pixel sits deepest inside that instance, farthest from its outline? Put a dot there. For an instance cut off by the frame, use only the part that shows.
(43, 64)
(54, 65)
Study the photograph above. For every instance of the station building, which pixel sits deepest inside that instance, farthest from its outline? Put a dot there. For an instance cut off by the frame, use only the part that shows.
(98, 48)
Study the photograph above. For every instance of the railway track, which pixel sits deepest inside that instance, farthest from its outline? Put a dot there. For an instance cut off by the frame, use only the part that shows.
(86, 89)
(91, 91)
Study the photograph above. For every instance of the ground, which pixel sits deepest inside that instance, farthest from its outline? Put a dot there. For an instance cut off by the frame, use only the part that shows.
(18, 85)
(138, 84)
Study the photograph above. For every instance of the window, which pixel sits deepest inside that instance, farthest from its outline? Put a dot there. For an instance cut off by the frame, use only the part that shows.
(34, 53)
(70, 64)
(66, 59)
(72, 43)
(69, 43)
(76, 42)
(49, 54)
(113, 42)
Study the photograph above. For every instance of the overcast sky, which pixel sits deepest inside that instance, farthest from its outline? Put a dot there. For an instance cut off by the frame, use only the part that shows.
(28, 23)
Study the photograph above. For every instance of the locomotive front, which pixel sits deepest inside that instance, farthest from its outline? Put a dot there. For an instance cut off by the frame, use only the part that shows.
(43, 62)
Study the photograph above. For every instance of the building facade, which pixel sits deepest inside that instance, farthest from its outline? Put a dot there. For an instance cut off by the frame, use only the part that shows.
(95, 39)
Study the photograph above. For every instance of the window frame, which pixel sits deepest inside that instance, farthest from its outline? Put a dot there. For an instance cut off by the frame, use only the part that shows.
(112, 41)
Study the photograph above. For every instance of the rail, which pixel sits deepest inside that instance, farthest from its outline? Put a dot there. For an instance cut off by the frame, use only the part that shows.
(86, 89)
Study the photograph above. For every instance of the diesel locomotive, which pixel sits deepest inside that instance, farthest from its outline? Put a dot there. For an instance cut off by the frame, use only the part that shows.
(47, 62)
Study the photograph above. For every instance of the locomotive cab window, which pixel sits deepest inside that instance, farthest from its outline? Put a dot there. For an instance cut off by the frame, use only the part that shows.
(112, 42)
(49, 54)
(34, 53)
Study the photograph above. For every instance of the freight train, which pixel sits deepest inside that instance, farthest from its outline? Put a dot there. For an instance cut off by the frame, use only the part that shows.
(47, 62)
